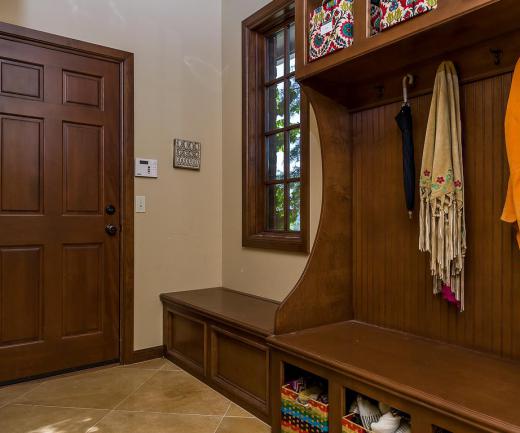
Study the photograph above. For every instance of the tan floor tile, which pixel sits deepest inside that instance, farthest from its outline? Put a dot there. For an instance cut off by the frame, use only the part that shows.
(103, 389)
(243, 425)
(139, 422)
(170, 366)
(39, 419)
(10, 393)
(153, 364)
(235, 410)
(176, 392)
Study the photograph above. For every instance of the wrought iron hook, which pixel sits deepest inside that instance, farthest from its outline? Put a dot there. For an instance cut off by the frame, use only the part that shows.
(497, 54)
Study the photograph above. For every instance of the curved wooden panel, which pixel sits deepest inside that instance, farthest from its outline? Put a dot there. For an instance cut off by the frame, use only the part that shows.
(324, 293)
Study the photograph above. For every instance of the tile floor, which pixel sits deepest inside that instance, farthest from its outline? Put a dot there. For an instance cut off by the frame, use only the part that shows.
(151, 397)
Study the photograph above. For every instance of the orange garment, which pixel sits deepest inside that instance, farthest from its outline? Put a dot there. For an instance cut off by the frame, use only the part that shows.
(511, 212)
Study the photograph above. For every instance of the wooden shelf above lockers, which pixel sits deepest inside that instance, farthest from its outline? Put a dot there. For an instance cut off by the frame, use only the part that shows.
(423, 41)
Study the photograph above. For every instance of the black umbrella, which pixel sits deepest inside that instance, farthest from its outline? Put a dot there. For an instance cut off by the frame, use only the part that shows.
(404, 120)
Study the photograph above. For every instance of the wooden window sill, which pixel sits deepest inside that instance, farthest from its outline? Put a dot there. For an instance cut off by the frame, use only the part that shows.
(283, 241)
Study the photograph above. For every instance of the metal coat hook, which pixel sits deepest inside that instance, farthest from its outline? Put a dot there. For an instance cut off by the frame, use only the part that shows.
(497, 54)
(380, 90)
(408, 80)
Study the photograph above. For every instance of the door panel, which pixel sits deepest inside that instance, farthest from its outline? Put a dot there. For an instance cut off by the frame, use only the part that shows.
(21, 153)
(82, 289)
(83, 168)
(20, 295)
(82, 89)
(59, 168)
(21, 79)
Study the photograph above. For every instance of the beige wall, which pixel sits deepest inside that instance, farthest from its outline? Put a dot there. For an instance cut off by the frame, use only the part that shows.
(265, 273)
(177, 94)
(190, 236)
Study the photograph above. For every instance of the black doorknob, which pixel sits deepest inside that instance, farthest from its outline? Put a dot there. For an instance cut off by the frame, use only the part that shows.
(110, 209)
(111, 229)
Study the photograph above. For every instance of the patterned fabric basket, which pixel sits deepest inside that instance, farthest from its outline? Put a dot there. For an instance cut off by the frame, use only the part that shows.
(388, 13)
(331, 28)
(312, 417)
(375, 17)
(348, 426)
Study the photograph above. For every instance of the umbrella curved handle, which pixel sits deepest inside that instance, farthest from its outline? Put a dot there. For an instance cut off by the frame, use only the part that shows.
(408, 80)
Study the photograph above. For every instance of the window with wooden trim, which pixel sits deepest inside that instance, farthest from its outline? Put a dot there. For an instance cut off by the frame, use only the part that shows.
(275, 125)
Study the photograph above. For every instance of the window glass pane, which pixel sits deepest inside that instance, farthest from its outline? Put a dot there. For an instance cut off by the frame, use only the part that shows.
(275, 156)
(294, 102)
(276, 55)
(294, 153)
(294, 206)
(292, 48)
(275, 107)
(275, 207)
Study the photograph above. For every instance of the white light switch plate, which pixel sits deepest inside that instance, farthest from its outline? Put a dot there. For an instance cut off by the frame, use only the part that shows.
(140, 204)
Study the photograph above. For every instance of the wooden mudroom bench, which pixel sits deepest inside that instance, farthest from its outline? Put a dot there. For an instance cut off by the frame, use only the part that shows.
(219, 335)
(438, 384)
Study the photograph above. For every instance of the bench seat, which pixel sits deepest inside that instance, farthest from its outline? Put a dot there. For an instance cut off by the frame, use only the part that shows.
(462, 390)
(219, 335)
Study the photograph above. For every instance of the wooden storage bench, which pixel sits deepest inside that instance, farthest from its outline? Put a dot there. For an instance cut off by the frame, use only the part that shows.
(439, 385)
(219, 336)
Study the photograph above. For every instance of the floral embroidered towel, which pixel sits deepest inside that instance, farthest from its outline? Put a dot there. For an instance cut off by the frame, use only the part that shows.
(511, 212)
(442, 222)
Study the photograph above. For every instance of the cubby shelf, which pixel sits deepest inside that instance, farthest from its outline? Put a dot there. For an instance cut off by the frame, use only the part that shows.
(452, 26)
(365, 278)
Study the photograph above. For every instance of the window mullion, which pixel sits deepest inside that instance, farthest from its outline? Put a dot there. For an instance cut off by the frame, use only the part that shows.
(286, 134)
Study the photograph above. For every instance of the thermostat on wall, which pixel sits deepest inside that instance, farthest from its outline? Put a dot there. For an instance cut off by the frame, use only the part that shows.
(145, 167)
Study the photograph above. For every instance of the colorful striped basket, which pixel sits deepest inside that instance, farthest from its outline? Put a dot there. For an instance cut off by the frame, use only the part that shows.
(312, 417)
(348, 426)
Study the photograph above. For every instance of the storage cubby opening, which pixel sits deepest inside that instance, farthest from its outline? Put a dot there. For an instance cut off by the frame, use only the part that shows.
(361, 412)
(436, 429)
(304, 401)
(300, 380)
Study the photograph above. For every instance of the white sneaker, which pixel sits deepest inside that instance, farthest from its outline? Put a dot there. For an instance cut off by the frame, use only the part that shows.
(368, 412)
(405, 427)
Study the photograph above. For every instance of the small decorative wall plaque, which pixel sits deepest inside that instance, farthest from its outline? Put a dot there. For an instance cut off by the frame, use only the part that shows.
(186, 154)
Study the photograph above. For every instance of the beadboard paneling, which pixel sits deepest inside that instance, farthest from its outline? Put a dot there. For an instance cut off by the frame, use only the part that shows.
(392, 285)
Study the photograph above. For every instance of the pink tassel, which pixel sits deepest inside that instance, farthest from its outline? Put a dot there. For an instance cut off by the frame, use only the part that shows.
(449, 296)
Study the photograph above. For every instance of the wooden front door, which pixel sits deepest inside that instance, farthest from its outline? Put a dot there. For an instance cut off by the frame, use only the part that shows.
(59, 239)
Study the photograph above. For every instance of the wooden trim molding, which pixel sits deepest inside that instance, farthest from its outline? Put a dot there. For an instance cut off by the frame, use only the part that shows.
(125, 60)
(254, 225)
(147, 354)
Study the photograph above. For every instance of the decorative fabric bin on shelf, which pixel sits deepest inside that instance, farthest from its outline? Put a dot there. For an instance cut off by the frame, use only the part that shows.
(375, 17)
(331, 28)
(388, 13)
(312, 417)
(349, 426)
